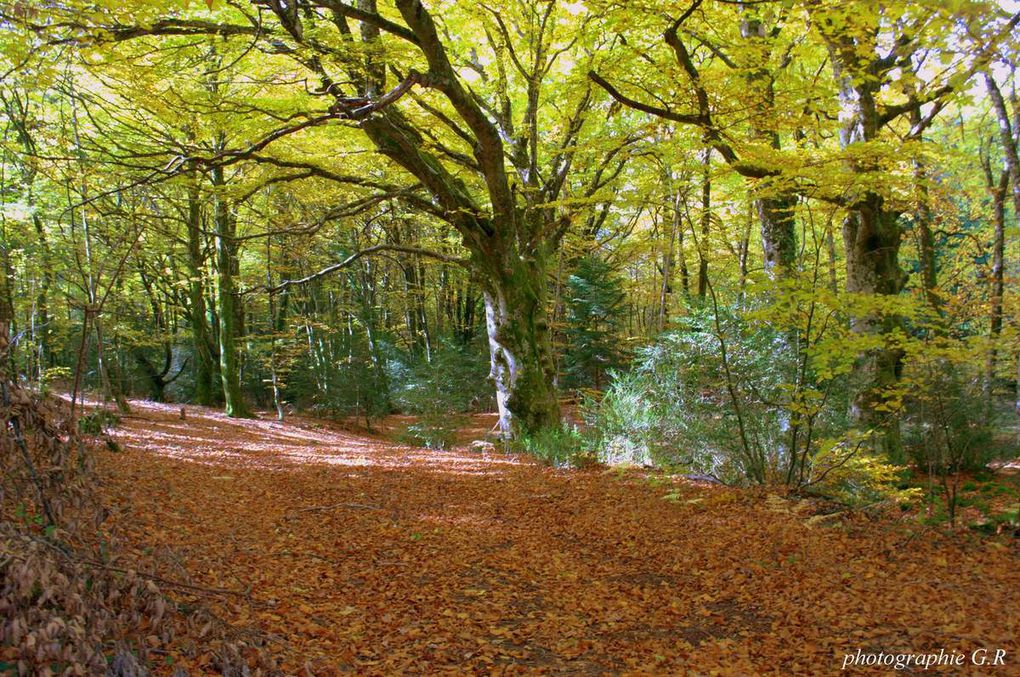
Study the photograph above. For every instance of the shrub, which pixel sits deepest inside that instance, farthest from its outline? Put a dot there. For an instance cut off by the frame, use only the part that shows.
(558, 446)
(97, 422)
(440, 392)
(682, 404)
(948, 427)
(432, 430)
(847, 470)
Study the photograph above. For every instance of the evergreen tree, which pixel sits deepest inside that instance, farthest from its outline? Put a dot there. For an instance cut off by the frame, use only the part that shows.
(594, 309)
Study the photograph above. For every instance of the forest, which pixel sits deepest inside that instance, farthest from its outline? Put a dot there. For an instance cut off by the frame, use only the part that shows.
(509, 336)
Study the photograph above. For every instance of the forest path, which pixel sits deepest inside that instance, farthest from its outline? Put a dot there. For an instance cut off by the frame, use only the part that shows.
(367, 557)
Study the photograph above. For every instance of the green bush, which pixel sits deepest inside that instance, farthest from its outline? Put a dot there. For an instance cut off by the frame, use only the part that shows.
(97, 422)
(557, 446)
(440, 392)
(432, 431)
(676, 407)
(948, 427)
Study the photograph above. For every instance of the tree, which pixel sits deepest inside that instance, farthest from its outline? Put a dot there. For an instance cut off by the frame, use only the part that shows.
(754, 61)
(594, 307)
(490, 174)
(871, 229)
(1008, 140)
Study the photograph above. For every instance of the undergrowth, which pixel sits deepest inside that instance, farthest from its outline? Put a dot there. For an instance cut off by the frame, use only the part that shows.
(71, 602)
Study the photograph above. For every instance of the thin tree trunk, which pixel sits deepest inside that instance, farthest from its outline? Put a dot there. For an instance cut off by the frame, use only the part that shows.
(830, 245)
(998, 191)
(230, 373)
(204, 373)
(7, 299)
(706, 222)
(666, 288)
(744, 253)
(41, 320)
(1008, 140)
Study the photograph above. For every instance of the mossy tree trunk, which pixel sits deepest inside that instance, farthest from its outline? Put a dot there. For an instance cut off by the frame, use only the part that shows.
(520, 349)
(871, 238)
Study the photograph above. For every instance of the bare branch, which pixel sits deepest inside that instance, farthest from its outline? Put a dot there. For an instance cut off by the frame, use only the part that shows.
(361, 254)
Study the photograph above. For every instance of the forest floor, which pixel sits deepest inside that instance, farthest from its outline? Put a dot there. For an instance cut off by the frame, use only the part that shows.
(354, 554)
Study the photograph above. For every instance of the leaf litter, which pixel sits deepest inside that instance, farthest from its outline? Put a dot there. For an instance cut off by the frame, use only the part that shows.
(351, 554)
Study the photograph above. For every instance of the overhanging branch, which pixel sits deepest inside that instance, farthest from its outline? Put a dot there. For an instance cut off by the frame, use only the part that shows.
(359, 255)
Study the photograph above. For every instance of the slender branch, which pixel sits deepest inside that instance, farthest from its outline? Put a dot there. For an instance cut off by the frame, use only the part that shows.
(664, 113)
(370, 18)
(361, 254)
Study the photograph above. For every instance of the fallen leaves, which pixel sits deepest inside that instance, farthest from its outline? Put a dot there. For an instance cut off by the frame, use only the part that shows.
(367, 557)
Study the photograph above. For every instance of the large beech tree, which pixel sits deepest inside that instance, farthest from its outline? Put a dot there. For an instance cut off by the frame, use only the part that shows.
(478, 137)
(482, 154)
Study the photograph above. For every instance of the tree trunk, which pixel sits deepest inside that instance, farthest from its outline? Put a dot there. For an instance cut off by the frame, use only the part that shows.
(871, 236)
(925, 238)
(230, 371)
(830, 246)
(776, 209)
(205, 391)
(998, 191)
(666, 288)
(520, 348)
(41, 320)
(706, 223)
(778, 233)
(109, 370)
(1008, 140)
(7, 301)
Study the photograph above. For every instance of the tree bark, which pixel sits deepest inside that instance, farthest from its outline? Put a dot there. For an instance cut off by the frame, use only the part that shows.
(204, 372)
(41, 321)
(520, 347)
(706, 223)
(778, 233)
(925, 238)
(998, 191)
(230, 368)
(1008, 140)
(871, 238)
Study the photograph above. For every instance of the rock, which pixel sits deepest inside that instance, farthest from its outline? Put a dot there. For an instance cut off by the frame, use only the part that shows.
(125, 664)
(483, 447)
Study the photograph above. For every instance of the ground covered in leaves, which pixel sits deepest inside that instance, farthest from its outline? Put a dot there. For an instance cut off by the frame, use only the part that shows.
(346, 553)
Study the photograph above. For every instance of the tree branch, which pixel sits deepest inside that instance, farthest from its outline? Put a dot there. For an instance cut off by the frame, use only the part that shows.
(664, 113)
(370, 18)
(358, 255)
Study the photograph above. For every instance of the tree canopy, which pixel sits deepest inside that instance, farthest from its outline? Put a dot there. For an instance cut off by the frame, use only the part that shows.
(216, 201)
